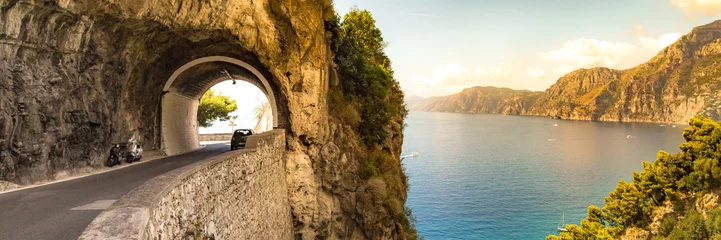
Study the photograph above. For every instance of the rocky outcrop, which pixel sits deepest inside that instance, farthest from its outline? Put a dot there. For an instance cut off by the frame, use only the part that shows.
(683, 80)
(78, 75)
(574, 95)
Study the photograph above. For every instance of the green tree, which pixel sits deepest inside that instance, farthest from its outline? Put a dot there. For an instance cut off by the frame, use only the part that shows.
(366, 75)
(624, 206)
(214, 106)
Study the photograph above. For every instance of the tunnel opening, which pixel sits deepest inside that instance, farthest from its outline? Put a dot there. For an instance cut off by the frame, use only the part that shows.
(185, 87)
(252, 110)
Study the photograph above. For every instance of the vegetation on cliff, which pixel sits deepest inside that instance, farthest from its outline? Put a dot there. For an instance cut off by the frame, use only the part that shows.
(369, 100)
(683, 80)
(674, 197)
(214, 106)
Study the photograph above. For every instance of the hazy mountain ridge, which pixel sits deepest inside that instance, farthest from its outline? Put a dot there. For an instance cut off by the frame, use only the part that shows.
(411, 100)
(481, 100)
(681, 81)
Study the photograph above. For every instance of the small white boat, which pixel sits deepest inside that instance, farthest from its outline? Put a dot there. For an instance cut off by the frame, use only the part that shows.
(555, 125)
(629, 136)
(673, 126)
(551, 139)
(562, 224)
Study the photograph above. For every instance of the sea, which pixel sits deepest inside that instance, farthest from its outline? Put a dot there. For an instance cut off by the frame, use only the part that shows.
(487, 176)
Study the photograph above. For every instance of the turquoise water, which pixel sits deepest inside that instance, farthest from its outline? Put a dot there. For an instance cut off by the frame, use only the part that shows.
(481, 176)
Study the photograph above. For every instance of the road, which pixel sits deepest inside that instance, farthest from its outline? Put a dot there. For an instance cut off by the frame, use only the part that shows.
(45, 212)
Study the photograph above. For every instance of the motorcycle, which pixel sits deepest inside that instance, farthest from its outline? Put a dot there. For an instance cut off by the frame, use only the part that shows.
(115, 156)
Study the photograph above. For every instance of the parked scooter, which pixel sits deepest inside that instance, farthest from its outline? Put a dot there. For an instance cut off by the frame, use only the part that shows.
(129, 152)
(133, 152)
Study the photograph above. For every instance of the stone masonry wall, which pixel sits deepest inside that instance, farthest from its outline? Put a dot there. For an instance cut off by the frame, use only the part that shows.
(236, 195)
(240, 198)
(215, 137)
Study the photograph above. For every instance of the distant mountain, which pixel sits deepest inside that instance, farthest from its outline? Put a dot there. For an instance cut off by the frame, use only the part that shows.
(412, 100)
(481, 100)
(683, 80)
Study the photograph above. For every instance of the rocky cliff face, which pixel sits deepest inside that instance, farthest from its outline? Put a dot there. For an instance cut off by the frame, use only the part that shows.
(78, 75)
(573, 96)
(683, 80)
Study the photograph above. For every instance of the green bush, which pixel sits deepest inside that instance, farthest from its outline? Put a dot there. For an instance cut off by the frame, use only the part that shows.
(342, 109)
(692, 227)
(371, 164)
(667, 225)
(713, 221)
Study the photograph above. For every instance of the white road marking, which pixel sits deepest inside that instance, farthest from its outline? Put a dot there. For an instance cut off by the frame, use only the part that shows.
(97, 205)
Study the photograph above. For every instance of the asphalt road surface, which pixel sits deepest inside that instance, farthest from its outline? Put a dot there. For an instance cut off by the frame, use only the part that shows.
(45, 212)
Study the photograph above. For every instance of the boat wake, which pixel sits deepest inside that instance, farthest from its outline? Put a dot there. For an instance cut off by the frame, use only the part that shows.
(414, 154)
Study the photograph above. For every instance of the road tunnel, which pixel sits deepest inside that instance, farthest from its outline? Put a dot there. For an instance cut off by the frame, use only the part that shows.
(184, 88)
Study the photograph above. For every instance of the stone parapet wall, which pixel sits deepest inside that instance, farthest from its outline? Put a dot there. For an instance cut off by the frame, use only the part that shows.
(215, 137)
(236, 195)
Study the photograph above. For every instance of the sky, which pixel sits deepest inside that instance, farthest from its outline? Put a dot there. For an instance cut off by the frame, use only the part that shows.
(247, 96)
(439, 47)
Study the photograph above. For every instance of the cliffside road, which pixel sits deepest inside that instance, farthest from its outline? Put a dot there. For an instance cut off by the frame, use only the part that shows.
(64, 209)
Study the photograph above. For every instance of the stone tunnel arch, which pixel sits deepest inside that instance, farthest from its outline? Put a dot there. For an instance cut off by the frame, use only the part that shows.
(183, 90)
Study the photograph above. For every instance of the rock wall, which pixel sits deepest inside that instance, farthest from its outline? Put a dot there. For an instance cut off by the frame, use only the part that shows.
(237, 195)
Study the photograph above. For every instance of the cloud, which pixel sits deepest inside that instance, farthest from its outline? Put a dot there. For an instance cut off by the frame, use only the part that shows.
(536, 73)
(447, 79)
(654, 44)
(693, 7)
(586, 52)
(543, 69)
(659, 43)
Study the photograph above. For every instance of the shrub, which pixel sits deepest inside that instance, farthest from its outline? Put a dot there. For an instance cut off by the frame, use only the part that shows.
(343, 109)
(667, 225)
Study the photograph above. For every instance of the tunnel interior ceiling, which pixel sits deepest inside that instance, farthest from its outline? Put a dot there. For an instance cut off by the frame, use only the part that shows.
(195, 81)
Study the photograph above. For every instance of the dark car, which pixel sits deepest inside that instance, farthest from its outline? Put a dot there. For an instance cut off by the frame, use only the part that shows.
(240, 137)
